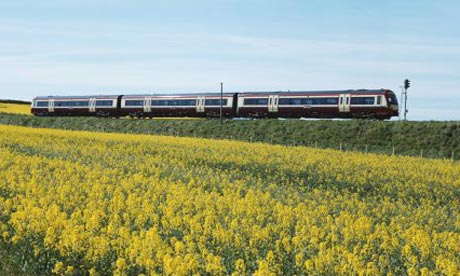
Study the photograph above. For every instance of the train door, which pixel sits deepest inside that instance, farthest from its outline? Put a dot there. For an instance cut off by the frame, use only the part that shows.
(239, 104)
(147, 104)
(51, 105)
(200, 101)
(119, 103)
(235, 105)
(92, 104)
(344, 103)
(273, 103)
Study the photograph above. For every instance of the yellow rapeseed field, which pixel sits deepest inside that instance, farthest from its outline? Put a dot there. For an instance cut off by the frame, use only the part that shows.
(15, 108)
(79, 203)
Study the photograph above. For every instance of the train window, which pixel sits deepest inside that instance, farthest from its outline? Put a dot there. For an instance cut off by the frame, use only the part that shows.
(255, 101)
(308, 101)
(392, 99)
(104, 103)
(174, 103)
(363, 100)
(324, 101)
(186, 102)
(215, 102)
(41, 104)
(291, 101)
(134, 102)
(71, 104)
(379, 100)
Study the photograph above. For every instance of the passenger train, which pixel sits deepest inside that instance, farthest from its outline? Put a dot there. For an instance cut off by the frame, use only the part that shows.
(373, 104)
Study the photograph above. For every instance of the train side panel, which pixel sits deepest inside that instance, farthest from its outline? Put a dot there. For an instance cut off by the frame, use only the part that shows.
(376, 104)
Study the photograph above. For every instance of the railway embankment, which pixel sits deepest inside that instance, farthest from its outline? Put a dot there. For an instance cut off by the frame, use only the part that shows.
(432, 139)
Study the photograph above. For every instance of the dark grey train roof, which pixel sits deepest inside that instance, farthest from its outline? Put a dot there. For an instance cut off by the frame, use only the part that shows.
(77, 97)
(359, 91)
(133, 95)
(209, 94)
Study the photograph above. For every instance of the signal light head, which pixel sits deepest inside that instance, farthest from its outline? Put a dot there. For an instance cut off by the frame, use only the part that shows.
(406, 83)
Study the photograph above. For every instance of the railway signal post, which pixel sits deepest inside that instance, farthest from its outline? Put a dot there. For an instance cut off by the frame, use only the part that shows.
(406, 86)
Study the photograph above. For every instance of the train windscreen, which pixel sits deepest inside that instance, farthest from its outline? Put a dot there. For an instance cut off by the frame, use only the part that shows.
(392, 100)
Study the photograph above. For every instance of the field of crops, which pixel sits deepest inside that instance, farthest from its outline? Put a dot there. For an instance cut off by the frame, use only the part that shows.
(14, 108)
(82, 202)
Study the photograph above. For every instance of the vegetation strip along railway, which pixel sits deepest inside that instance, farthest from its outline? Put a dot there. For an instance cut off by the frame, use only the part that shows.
(85, 202)
(431, 139)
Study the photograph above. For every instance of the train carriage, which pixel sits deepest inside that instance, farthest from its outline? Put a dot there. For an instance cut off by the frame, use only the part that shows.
(75, 105)
(377, 104)
(188, 105)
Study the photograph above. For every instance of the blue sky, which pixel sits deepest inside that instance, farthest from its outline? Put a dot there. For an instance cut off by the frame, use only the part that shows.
(83, 47)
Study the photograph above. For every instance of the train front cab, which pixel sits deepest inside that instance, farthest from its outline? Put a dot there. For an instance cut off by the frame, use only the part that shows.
(385, 107)
(392, 102)
(379, 105)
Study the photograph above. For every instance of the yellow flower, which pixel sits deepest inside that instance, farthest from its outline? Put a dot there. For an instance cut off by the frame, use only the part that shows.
(184, 206)
(58, 268)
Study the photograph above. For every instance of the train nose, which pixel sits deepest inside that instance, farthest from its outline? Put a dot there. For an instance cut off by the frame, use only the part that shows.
(395, 110)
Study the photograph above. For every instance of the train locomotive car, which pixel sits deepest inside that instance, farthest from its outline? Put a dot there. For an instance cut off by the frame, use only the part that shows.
(373, 104)
(76, 105)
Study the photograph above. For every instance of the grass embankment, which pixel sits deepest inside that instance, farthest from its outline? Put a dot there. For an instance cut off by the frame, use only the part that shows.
(429, 139)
